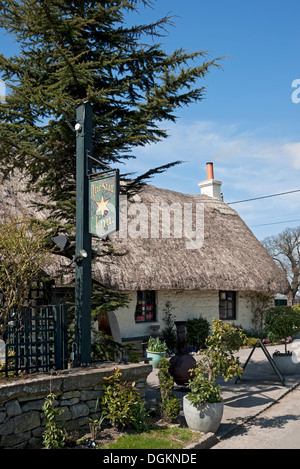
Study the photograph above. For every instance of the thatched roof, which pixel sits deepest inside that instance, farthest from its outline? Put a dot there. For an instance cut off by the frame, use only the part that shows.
(16, 201)
(231, 258)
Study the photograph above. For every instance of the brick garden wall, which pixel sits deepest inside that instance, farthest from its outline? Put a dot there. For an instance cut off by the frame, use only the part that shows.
(22, 421)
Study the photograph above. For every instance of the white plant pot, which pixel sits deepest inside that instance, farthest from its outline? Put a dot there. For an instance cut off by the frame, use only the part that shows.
(287, 364)
(205, 418)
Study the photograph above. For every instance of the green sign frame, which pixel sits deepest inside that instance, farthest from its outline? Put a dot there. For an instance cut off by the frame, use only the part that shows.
(104, 204)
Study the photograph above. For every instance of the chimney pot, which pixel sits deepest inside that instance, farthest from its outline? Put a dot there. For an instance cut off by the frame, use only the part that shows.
(211, 186)
(210, 170)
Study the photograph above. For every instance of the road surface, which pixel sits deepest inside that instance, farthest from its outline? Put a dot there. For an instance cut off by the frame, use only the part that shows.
(276, 428)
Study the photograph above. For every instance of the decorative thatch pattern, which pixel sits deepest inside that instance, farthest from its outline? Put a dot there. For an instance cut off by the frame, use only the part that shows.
(231, 257)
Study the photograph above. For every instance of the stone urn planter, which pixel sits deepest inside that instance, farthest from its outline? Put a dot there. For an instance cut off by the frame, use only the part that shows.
(205, 418)
(282, 323)
(287, 363)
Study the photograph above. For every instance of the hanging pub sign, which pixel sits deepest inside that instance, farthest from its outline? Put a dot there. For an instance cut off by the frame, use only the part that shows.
(104, 204)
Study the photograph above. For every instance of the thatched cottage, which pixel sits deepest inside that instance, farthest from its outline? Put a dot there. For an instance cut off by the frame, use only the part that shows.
(193, 251)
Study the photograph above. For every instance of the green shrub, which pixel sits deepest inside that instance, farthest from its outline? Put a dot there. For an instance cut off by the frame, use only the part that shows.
(122, 404)
(217, 360)
(169, 405)
(251, 341)
(171, 409)
(134, 357)
(197, 331)
(104, 347)
(282, 322)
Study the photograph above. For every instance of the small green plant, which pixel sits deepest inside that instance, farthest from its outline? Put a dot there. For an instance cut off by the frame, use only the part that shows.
(54, 436)
(122, 404)
(169, 405)
(168, 333)
(282, 322)
(134, 357)
(156, 345)
(95, 426)
(197, 331)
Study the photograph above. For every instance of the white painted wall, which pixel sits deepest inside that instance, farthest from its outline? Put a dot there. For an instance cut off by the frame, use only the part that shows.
(187, 305)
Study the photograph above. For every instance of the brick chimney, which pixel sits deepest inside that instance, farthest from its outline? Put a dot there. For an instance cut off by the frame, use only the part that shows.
(211, 187)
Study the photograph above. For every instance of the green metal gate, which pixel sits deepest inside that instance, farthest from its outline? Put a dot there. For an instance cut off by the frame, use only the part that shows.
(36, 340)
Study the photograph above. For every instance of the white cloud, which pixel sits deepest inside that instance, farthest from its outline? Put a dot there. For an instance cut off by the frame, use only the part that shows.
(241, 158)
(292, 150)
(250, 163)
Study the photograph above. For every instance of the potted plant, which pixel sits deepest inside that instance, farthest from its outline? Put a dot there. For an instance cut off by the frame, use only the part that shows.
(282, 323)
(156, 349)
(203, 405)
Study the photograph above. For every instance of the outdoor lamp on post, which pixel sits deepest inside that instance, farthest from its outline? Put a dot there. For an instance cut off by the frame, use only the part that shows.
(80, 256)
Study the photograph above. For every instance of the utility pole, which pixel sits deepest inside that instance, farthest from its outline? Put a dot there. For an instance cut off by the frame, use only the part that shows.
(83, 255)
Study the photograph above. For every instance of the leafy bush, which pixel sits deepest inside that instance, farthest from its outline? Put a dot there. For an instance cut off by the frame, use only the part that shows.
(282, 322)
(122, 404)
(171, 409)
(134, 357)
(169, 405)
(216, 360)
(197, 331)
(202, 390)
(104, 347)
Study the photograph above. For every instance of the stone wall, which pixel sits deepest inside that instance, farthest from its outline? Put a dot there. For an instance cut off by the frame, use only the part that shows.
(22, 421)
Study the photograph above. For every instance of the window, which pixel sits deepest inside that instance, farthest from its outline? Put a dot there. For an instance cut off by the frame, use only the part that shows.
(145, 306)
(227, 305)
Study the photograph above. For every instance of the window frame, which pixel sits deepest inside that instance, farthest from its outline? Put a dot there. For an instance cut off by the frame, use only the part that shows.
(227, 305)
(142, 314)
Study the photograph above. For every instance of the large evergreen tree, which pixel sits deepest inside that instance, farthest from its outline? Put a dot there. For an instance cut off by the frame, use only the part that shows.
(71, 51)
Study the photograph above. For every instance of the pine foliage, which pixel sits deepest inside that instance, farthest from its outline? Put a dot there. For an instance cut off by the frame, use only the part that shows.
(72, 51)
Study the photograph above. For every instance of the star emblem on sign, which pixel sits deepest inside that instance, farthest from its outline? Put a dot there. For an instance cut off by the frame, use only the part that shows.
(102, 206)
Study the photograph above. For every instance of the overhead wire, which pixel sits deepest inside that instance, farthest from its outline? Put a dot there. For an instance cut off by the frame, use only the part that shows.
(262, 197)
(265, 197)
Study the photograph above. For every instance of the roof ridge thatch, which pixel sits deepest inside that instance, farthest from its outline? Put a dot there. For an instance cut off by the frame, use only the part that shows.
(231, 257)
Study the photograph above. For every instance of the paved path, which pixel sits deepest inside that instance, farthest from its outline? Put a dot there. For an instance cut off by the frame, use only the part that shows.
(250, 405)
(276, 428)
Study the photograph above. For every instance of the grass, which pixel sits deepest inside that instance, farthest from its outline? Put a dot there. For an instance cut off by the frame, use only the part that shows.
(158, 438)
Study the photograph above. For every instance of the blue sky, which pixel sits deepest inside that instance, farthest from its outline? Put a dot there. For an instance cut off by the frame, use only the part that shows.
(248, 125)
